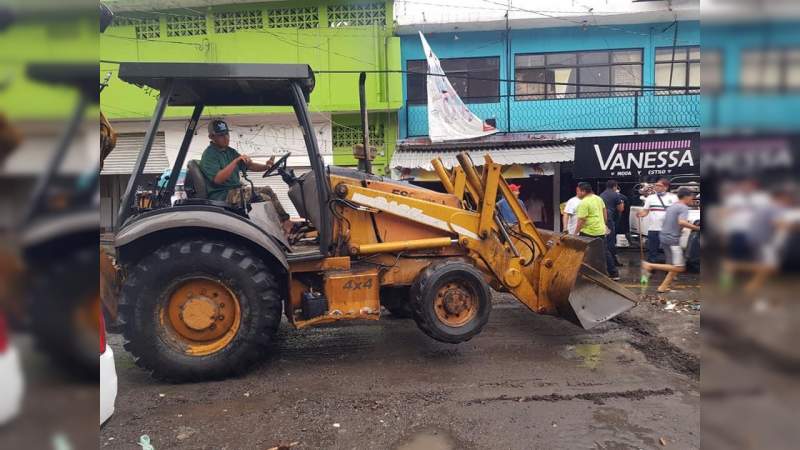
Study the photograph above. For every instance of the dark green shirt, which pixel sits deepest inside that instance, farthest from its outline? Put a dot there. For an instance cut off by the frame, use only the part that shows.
(215, 159)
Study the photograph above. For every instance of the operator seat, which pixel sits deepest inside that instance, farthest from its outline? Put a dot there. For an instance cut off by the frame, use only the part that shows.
(196, 186)
(195, 180)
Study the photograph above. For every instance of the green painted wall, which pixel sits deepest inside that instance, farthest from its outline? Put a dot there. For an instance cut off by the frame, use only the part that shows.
(325, 48)
(382, 121)
(72, 40)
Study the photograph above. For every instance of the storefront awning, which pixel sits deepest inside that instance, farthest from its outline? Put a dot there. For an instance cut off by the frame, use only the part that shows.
(409, 158)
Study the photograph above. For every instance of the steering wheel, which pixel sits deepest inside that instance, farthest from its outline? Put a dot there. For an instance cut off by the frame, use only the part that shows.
(277, 166)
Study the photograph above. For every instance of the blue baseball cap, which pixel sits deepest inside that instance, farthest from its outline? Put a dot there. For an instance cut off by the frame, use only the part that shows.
(218, 128)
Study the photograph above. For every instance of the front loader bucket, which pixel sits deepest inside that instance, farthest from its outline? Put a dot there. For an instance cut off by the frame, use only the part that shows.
(577, 284)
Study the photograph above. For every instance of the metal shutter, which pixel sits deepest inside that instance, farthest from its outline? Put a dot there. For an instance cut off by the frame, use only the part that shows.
(122, 159)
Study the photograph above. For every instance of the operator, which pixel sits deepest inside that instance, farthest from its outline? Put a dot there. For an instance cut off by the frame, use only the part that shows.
(220, 165)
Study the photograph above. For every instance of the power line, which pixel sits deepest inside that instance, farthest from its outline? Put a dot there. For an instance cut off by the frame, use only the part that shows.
(503, 8)
(499, 80)
(505, 80)
(156, 41)
(563, 19)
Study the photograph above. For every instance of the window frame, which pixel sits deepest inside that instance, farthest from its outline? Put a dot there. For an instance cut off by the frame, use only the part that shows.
(465, 98)
(719, 52)
(577, 66)
(686, 89)
(783, 71)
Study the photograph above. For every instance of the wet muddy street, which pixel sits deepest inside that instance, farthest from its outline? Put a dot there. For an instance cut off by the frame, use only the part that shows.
(526, 381)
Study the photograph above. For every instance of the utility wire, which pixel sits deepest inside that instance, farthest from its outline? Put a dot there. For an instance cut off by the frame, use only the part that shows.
(505, 80)
(499, 80)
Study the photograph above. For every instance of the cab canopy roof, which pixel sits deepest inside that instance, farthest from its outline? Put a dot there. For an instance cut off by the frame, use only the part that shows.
(215, 84)
(79, 75)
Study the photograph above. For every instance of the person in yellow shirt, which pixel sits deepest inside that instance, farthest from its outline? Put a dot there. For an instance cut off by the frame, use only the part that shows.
(592, 222)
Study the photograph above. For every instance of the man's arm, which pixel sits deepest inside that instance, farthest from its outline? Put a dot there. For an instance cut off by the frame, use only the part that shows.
(686, 224)
(225, 173)
(564, 221)
(645, 208)
(579, 226)
(254, 166)
(582, 215)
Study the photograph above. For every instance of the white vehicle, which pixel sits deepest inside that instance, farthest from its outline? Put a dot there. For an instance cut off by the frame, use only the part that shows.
(636, 233)
(11, 381)
(108, 376)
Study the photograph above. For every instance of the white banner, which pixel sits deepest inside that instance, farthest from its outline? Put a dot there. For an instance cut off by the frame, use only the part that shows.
(449, 118)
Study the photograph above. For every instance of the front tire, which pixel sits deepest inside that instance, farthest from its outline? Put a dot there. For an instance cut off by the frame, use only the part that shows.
(198, 310)
(451, 301)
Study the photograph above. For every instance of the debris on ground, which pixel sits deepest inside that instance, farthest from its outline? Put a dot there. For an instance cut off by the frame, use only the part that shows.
(675, 306)
(662, 441)
(144, 442)
(285, 446)
(185, 432)
(61, 442)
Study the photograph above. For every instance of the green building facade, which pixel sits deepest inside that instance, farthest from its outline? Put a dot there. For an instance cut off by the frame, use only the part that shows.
(337, 39)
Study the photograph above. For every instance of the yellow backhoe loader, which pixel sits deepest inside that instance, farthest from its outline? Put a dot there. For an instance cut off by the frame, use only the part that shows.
(205, 282)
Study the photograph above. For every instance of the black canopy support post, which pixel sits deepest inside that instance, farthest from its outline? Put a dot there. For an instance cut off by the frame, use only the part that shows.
(181, 157)
(365, 164)
(317, 165)
(144, 154)
(46, 178)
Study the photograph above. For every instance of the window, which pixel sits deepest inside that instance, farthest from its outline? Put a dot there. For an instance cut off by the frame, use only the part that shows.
(578, 74)
(186, 26)
(476, 80)
(302, 18)
(770, 69)
(357, 15)
(230, 22)
(347, 136)
(148, 29)
(711, 70)
(681, 72)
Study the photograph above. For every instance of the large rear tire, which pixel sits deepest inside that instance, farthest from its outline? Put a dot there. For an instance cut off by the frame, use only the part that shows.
(197, 310)
(451, 301)
(65, 305)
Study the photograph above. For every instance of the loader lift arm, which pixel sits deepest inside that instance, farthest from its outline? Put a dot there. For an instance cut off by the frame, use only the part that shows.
(548, 276)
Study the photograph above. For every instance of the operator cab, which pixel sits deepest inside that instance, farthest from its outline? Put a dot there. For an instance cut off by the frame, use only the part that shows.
(199, 85)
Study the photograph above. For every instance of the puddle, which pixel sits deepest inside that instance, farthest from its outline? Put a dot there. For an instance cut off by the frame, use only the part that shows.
(624, 434)
(590, 354)
(428, 439)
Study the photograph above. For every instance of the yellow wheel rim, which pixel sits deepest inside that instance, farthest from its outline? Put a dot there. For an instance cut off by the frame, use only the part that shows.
(455, 304)
(202, 316)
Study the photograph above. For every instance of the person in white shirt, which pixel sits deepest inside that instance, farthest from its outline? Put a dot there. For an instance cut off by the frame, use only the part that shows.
(655, 206)
(569, 218)
(536, 211)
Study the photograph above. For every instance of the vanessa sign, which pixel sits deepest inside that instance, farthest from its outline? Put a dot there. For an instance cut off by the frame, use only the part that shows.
(637, 156)
(751, 155)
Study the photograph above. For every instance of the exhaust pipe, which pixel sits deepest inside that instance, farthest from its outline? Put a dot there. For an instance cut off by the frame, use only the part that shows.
(365, 164)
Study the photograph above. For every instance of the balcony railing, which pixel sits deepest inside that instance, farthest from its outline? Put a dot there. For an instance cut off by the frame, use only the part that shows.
(646, 110)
